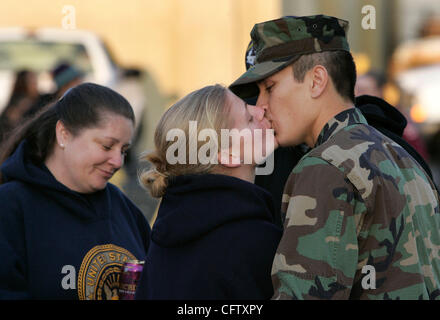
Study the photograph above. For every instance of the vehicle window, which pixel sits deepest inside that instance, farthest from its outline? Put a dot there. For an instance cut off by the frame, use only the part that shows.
(42, 56)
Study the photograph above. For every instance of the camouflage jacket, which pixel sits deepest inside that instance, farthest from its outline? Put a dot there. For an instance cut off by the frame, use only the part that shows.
(361, 220)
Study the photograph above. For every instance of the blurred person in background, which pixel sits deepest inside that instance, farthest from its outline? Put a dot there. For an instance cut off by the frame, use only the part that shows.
(24, 95)
(214, 236)
(372, 83)
(65, 76)
(64, 230)
(433, 146)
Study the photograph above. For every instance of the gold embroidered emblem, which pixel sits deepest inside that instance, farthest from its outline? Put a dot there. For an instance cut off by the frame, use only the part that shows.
(98, 277)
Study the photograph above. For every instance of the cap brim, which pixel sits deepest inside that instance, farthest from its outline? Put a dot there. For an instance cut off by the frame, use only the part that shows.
(245, 87)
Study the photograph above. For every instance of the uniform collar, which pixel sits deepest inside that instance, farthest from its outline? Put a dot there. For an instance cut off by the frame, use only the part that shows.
(340, 121)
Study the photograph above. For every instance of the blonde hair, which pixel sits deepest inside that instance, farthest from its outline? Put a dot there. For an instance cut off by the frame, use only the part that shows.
(208, 107)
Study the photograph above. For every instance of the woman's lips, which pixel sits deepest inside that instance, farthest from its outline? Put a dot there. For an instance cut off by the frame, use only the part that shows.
(107, 174)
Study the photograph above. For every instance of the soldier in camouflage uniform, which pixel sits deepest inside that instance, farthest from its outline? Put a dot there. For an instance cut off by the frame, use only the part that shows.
(357, 201)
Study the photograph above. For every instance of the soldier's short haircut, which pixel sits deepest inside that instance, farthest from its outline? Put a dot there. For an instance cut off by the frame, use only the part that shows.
(339, 64)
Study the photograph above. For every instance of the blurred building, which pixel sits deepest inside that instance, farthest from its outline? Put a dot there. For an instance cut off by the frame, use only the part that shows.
(397, 21)
(186, 44)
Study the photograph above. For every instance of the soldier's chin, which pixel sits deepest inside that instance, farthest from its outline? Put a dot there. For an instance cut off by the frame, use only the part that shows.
(277, 141)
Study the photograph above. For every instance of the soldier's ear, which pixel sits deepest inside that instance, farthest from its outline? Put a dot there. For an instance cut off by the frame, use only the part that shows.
(318, 81)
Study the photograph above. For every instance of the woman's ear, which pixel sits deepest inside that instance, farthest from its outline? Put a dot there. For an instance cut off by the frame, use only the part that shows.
(318, 82)
(62, 134)
(228, 159)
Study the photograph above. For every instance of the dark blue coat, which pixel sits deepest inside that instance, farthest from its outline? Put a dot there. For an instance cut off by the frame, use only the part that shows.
(214, 238)
(59, 244)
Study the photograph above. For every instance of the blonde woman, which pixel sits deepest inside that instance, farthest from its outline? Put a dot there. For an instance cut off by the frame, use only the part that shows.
(214, 236)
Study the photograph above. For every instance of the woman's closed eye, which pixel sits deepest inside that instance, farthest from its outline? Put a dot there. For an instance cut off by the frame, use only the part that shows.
(108, 148)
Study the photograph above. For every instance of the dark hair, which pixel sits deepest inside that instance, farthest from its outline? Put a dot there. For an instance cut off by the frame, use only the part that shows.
(21, 86)
(340, 66)
(80, 108)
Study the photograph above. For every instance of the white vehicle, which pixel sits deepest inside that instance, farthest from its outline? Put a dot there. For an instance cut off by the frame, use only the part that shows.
(42, 49)
(415, 67)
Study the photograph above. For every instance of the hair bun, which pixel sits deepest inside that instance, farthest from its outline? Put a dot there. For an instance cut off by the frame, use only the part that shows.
(153, 180)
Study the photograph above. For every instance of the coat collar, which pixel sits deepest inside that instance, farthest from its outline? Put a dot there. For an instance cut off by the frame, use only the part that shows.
(342, 120)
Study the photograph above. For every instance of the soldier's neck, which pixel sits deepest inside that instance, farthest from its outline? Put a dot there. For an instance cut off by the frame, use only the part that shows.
(328, 110)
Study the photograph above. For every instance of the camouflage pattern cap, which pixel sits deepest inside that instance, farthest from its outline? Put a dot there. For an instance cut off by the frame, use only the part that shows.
(278, 43)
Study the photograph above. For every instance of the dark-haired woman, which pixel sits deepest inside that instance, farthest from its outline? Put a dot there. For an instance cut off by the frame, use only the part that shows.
(24, 95)
(64, 230)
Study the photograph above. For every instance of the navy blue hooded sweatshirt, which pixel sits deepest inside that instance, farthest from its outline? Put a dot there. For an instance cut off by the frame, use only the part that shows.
(59, 244)
(214, 238)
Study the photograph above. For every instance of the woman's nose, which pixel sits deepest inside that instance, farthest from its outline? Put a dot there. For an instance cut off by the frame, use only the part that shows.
(257, 112)
(117, 160)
